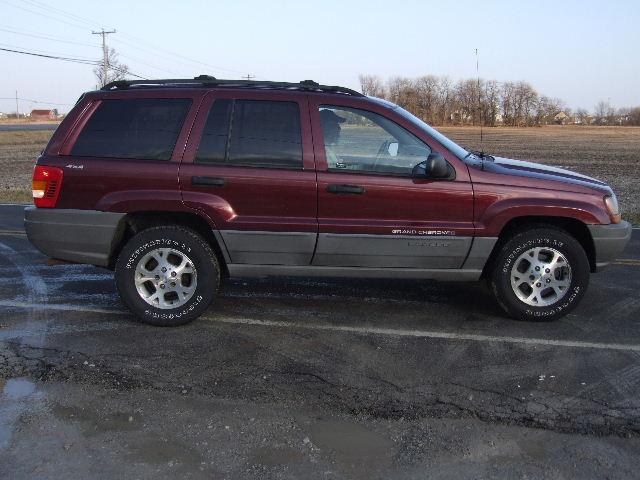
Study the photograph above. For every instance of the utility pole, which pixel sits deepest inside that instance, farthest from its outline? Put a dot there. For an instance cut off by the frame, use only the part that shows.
(17, 108)
(105, 52)
(249, 76)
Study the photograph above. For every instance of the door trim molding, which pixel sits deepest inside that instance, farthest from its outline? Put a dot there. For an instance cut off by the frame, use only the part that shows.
(248, 270)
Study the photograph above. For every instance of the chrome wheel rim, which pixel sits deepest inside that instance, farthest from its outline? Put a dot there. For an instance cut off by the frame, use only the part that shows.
(165, 278)
(541, 276)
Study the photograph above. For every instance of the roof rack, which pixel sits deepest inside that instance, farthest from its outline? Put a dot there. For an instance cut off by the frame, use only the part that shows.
(209, 81)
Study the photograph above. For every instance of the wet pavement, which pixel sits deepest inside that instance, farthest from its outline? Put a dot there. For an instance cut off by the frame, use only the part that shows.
(303, 378)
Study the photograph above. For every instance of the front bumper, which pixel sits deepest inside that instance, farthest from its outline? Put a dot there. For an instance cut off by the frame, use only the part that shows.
(609, 241)
(83, 236)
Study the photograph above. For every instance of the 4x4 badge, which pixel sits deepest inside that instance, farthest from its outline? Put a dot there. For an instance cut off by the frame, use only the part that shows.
(76, 167)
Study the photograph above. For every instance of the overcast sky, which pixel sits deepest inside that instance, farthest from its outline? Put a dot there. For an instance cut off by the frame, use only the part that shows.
(579, 51)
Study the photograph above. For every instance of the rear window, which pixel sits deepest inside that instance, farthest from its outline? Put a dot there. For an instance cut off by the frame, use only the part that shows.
(145, 129)
(258, 133)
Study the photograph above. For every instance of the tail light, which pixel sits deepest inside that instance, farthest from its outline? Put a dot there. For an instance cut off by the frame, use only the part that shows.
(47, 183)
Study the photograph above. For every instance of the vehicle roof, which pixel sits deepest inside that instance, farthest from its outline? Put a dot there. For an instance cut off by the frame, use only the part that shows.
(208, 82)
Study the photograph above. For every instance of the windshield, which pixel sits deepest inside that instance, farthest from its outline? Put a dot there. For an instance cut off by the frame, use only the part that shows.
(450, 145)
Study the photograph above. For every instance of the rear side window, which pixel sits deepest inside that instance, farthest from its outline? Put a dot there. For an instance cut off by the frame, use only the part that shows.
(145, 129)
(252, 133)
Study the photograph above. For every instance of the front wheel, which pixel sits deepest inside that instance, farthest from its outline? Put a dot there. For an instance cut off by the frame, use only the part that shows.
(540, 274)
(167, 276)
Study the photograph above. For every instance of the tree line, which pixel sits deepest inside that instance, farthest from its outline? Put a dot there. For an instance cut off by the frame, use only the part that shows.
(439, 101)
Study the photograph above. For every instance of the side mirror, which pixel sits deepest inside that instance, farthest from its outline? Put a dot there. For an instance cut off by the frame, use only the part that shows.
(434, 167)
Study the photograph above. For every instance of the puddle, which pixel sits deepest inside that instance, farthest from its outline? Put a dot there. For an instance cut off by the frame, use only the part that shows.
(354, 447)
(93, 422)
(5, 435)
(18, 388)
(160, 451)
(275, 456)
(12, 404)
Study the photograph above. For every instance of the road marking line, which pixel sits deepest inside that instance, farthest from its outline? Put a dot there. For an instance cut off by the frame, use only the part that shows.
(62, 306)
(429, 334)
(627, 261)
(358, 330)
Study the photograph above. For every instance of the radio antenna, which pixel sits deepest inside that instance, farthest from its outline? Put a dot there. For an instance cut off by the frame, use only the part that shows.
(479, 103)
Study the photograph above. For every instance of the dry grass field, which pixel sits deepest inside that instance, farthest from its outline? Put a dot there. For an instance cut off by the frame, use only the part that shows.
(611, 154)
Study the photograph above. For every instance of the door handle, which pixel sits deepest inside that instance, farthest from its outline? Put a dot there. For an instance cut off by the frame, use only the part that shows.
(352, 189)
(208, 181)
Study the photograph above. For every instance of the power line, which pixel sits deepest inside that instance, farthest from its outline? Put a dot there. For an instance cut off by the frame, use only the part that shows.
(47, 37)
(83, 61)
(176, 55)
(138, 41)
(54, 57)
(45, 15)
(76, 20)
(60, 12)
(34, 101)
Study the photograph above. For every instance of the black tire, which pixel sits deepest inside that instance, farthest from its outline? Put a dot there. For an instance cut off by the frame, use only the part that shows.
(544, 237)
(205, 267)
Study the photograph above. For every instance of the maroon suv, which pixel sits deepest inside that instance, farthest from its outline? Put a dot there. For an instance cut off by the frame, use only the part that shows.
(177, 183)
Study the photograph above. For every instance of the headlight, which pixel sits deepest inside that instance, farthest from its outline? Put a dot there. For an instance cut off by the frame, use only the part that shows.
(611, 202)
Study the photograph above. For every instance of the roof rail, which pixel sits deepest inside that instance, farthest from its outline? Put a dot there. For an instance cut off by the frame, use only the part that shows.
(209, 81)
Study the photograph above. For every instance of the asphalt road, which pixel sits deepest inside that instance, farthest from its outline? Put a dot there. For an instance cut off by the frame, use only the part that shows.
(295, 378)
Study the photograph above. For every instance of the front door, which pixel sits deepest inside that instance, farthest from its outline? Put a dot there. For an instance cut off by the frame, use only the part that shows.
(249, 167)
(371, 212)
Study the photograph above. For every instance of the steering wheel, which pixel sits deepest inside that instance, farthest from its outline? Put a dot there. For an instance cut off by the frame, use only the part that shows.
(383, 152)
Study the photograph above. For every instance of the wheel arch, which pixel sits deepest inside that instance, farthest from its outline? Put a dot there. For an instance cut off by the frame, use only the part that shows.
(136, 222)
(572, 226)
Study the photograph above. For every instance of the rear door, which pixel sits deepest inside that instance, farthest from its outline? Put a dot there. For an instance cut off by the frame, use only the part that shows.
(371, 212)
(249, 166)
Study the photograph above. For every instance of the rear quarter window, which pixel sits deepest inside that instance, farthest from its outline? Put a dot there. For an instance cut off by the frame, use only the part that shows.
(145, 129)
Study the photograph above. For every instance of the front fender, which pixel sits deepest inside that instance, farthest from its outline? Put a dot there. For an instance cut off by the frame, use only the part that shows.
(492, 220)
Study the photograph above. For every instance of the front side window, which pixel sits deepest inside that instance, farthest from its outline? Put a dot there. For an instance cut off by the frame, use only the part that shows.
(145, 129)
(361, 141)
(257, 133)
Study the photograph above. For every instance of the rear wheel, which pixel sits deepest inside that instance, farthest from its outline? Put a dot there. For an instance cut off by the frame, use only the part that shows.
(540, 274)
(167, 276)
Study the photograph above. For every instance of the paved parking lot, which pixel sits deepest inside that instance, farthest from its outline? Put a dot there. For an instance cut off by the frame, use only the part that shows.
(295, 378)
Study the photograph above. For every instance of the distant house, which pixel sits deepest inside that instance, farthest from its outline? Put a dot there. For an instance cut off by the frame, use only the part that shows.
(44, 114)
(561, 118)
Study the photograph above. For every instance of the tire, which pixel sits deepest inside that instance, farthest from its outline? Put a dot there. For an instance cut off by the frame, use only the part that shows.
(540, 274)
(176, 295)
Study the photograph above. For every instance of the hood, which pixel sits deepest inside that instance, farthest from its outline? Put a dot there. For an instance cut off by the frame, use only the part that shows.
(521, 168)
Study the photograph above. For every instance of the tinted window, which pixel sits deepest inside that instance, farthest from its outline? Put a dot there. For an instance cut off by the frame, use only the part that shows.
(363, 141)
(213, 145)
(266, 134)
(260, 133)
(138, 128)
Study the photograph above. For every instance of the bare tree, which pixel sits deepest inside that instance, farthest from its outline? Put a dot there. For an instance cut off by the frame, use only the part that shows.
(372, 86)
(604, 113)
(491, 102)
(437, 100)
(634, 116)
(427, 89)
(582, 115)
(114, 69)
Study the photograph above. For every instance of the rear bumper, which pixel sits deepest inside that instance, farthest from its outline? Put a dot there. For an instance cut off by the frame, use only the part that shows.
(609, 241)
(83, 236)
